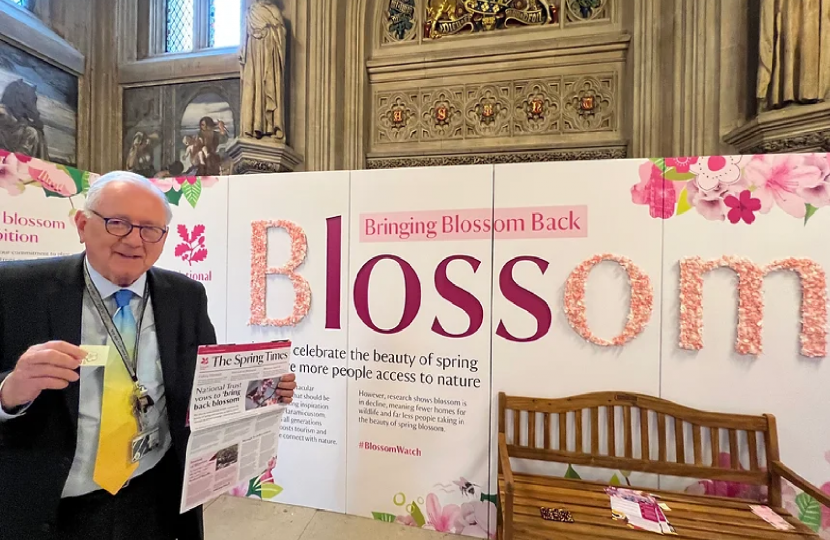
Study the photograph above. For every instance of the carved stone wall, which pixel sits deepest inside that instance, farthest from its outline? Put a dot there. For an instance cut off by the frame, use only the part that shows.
(494, 81)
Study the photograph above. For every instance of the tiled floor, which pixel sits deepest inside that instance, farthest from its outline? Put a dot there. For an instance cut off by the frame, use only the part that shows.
(230, 518)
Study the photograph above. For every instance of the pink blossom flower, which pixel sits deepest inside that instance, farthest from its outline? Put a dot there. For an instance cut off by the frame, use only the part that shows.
(708, 204)
(716, 171)
(189, 179)
(407, 520)
(788, 495)
(658, 193)
(681, 164)
(817, 192)
(10, 174)
(441, 519)
(742, 207)
(778, 179)
(52, 178)
(164, 184)
(239, 490)
(477, 519)
(209, 181)
(721, 488)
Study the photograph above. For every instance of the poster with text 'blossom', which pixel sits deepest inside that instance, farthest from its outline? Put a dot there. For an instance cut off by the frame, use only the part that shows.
(38, 201)
(287, 280)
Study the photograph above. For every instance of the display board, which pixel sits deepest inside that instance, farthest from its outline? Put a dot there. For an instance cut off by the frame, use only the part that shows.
(413, 297)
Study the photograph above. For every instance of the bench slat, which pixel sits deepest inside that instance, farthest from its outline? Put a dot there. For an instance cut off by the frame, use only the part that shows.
(734, 450)
(563, 431)
(645, 446)
(628, 432)
(698, 445)
(679, 440)
(531, 429)
(578, 429)
(612, 431)
(752, 440)
(595, 430)
(661, 434)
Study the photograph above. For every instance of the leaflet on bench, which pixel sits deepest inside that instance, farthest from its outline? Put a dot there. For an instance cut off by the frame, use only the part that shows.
(235, 416)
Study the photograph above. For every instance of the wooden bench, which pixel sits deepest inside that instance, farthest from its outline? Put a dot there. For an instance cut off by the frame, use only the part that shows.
(571, 430)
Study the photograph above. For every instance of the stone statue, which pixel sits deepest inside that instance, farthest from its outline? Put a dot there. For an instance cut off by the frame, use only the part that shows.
(794, 53)
(263, 72)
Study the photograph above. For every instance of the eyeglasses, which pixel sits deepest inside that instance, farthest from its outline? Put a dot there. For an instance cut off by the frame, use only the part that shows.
(121, 228)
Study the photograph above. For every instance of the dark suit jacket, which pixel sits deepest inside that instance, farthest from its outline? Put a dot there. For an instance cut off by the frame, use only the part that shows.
(41, 300)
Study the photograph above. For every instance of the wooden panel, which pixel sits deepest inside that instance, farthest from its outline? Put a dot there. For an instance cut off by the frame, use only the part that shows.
(661, 433)
(698, 445)
(679, 441)
(546, 423)
(563, 431)
(612, 431)
(714, 435)
(607, 399)
(752, 442)
(734, 451)
(645, 447)
(626, 464)
(628, 432)
(531, 429)
(517, 426)
(595, 430)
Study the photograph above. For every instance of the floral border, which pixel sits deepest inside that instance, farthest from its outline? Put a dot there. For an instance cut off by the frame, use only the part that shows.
(734, 188)
(477, 518)
(19, 172)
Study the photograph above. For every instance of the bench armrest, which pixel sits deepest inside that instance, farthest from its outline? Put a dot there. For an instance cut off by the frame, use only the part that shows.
(504, 461)
(780, 470)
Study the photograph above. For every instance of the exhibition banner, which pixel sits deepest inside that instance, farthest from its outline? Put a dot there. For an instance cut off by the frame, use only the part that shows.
(413, 297)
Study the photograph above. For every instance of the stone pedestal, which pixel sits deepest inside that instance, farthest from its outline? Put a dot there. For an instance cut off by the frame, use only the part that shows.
(257, 156)
(793, 129)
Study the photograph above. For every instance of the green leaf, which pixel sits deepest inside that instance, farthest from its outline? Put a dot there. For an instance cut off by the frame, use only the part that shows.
(683, 205)
(85, 183)
(192, 192)
(72, 212)
(174, 196)
(76, 175)
(660, 162)
(626, 473)
(571, 473)
(417, 515)
(269, 490)
(809, 511)
(810, 211)
(675, 176)
(615, 480)
(386, 518)
(254, 488)
(494, 498)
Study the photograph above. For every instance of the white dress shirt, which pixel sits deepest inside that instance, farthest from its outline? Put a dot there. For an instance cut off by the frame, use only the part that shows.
(149, 372)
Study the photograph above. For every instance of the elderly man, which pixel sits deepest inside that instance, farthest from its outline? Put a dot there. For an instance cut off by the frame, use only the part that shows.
(67, 433)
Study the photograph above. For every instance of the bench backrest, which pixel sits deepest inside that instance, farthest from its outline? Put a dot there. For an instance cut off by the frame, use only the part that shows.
(605, 430)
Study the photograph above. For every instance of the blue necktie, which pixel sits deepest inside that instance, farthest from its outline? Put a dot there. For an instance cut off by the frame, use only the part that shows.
(119, 426)
(124, 319)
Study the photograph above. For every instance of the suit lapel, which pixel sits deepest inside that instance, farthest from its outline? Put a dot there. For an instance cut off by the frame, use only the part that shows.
(65, 310)
(166, 315)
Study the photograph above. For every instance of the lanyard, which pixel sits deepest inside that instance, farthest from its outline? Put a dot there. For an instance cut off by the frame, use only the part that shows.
(131, 363)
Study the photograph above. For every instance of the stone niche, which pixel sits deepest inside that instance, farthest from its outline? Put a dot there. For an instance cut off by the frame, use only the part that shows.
(495, 81)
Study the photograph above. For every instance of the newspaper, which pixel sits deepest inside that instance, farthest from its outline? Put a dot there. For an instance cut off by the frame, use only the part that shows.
(638, 510)
(234, 417)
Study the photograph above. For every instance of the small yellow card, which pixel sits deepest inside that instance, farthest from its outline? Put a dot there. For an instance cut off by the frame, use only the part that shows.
(96, 355)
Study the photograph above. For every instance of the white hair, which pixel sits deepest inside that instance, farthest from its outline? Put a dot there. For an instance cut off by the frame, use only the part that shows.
(97, 188)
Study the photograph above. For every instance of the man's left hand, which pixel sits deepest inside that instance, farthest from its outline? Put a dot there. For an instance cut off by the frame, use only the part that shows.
(286, 388)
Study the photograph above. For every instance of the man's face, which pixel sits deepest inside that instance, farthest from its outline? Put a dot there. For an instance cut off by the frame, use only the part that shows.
(122, 260)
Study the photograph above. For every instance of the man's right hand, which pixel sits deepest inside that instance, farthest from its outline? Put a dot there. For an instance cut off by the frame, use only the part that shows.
(48, 366)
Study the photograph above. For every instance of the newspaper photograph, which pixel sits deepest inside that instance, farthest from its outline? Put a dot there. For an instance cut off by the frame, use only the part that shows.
(235, 416)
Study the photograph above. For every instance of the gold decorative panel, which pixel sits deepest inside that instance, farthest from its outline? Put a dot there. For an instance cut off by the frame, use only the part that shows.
(588, 103)
(397, 117)
(488, 110)
(555, 105)
(443, 113)
(537, 107)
